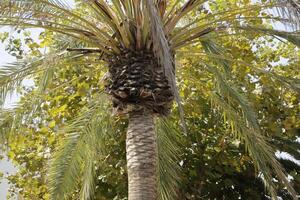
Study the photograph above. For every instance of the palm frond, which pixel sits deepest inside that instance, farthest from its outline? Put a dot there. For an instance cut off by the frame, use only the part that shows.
(289, 83)
(88, 179)
(245, 126)
(225, 60)
(168, 140)
(262, 154)
(183, 40)
(230, 92)
(249, 131)
(181, 12)
(13, 120)
(212, 48)
(163, 53)
(105, 14)
(293, 37)
(291, 10)
(64, 171)
(230, 17)
(72, 166)
(215, 19)
(6, 125)
(12, 75)
(217, 53)
(46, 79)
(52, 16)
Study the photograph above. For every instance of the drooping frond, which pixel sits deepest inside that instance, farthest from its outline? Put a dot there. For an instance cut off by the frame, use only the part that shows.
(262, 154)
(161, 46)
(228, 91)
(14, 119)
(6, 125)
(212, 48)
(64, 170)
(245, 125)
(72, 166)
(12, 75)
(168, 140)
(225, 60)
(87, 191)
(164, 53)
(249, 131)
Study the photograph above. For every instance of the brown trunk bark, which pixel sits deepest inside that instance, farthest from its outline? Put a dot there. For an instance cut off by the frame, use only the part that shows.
(142, 158)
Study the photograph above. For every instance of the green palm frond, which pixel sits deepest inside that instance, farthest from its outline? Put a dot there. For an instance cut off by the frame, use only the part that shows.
(87, 191)
(12, 75)
(212, 48)
(289, 83)
(72, 166)
(213, 20)
(12, 120)
(46, 79)
(245, 126)
(232, 93)
(248, 130)
(217, 53)
(262, 154)
(168, 140)
(64, 170)
(225, 61)
(6, 124)
(292, 37)
(53, 61)
(55, 17)
(187, 33)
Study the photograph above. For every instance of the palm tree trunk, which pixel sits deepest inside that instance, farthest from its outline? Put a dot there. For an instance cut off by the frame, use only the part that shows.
(142, 158)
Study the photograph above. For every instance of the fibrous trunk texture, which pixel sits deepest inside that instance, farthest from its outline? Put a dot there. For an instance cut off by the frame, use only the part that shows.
(142, 157)
(136, 80)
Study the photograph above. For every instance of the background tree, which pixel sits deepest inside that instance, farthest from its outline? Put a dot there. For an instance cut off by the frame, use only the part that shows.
(225, 96)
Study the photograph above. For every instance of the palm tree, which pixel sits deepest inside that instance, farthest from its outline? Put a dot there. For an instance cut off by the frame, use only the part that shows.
(138, 40)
